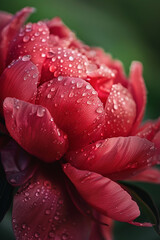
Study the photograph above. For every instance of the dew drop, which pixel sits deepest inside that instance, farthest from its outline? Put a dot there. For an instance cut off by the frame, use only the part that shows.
(26, 39)
(26, 58)
(40, 111)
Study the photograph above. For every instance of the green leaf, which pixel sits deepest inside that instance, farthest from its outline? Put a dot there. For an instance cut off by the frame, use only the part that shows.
(145, 203)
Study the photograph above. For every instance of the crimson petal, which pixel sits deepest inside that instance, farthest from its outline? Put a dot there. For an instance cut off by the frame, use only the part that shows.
(103, 194)
(64, 62)
(46, 210)
(19, 166)
(120, 112)
(137, 87)
(116, 158)
(32, 41)
(151, 175)
(33, 127)
(19, 80)
(149, 130)
(63, 96)
(11, 29)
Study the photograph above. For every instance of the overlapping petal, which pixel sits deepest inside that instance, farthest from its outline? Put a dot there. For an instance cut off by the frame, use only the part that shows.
(138, 89)
(10, 31)
(151, 175)
(19, 166)
(120, 112)
(19, 80)
(64, 62)
(103, 194)
(76, 109)
(116, 158)
(32, 40)
(150, 130)
(33, 127)
(46, 210)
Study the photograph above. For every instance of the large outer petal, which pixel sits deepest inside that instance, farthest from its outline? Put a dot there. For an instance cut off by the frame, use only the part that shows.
(120, 112)
(9, 32)
(138, 89)
(19, 80)
(33, 127)
(32, 41)
(76, 109)
(42, 210)
(117, 158)
(103, 194)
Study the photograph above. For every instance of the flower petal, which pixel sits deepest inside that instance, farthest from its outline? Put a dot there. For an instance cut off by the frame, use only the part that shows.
(32, 40)
(19, 166)
(32, 126)
(5, 18)
(64, 62)
(103, 194)
(116, 158)
(63, 96)
(46, 212)
(102, 232)
(151, 175)
(120, 112)
(149, 130)
(19, 80)
(9, 32)
(138, 89)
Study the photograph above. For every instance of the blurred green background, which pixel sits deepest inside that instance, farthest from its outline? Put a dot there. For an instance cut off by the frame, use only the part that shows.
(129, 30)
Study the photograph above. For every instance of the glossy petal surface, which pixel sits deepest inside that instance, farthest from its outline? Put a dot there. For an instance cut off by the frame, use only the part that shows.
(120, 112)
(19, 80)
(75, 107)
(103, 194)
(46, 210)
(115, 157)
(33, 127)
(9, 32)
(32, 40)
(138, 90)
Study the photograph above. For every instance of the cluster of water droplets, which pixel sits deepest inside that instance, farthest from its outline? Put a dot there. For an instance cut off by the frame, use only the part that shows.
(120, 110)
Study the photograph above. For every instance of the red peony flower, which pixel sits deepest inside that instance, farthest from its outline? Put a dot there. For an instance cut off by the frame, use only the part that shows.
(70, 111)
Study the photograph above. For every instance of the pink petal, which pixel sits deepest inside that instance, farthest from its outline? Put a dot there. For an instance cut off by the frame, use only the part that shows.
(33, 127)
(64, 62)
(19, 166)
(99, 57)
(58, 28)
(32, 40)
(150, 130)
(10, 31)
(151, 175)
(19, 80)
(120, 112)
(138, 89)
(116, 158)
(102, 232)
(43, 210)
(4, 19)
(76, 108)
(103, 194)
